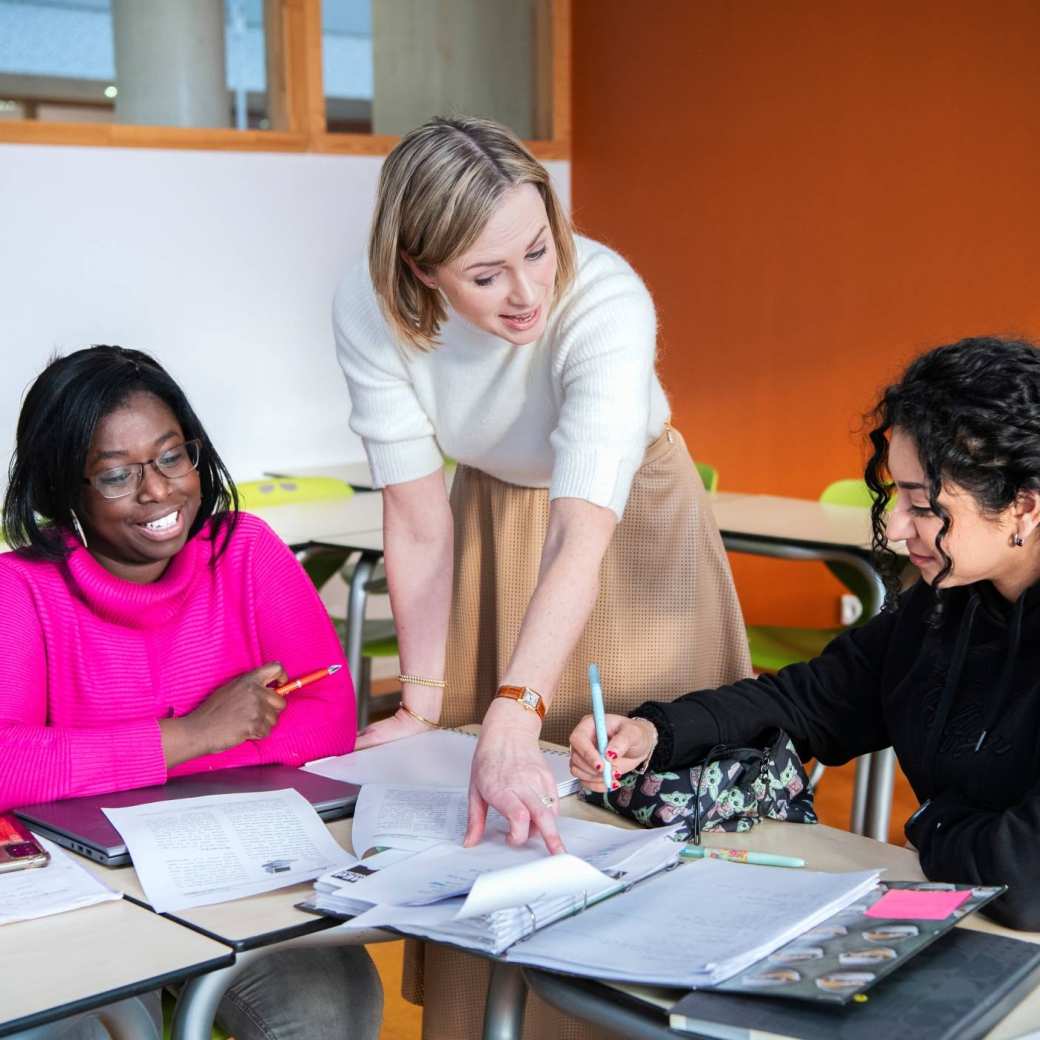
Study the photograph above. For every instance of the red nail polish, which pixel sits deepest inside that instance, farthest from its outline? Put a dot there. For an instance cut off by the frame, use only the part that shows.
(617, 775)
(614, 786)
(611, 753)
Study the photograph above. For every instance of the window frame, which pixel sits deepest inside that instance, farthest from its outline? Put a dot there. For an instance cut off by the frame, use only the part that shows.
(296, 98)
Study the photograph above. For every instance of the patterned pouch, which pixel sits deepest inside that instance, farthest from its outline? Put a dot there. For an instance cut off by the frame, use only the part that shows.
(731, 790)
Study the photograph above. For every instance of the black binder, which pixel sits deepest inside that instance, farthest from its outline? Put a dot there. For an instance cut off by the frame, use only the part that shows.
(956, 989)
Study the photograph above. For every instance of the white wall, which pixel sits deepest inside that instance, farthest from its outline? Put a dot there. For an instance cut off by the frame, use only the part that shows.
(221, 264)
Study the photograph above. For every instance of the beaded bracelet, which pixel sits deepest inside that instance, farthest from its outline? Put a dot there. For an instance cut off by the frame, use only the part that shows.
(418, 680)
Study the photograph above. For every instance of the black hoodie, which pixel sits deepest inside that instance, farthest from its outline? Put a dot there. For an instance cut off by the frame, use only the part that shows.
(958, 700)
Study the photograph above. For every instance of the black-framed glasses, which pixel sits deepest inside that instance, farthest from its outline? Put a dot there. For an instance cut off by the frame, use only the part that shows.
(124, 480)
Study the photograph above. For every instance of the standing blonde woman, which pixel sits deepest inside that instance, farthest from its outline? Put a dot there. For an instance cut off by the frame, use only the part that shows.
(578, 530)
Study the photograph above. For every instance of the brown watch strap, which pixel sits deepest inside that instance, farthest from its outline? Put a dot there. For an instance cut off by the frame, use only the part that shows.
(527, 698)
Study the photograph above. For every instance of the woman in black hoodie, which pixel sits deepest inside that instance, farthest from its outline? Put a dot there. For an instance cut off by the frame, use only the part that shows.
(949, 673)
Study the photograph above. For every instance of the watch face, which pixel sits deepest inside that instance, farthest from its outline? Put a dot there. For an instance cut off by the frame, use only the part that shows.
(530, 699)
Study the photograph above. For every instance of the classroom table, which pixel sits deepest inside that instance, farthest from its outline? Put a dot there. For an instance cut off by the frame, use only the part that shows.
(249, 927)
(641, 1011)
(67, 964)
(800, 529)
(255, 924)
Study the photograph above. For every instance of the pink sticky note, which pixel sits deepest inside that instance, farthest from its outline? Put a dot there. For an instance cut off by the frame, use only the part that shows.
(911, 904)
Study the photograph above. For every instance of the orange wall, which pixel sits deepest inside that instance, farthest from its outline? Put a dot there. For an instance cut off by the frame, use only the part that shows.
(813, 191)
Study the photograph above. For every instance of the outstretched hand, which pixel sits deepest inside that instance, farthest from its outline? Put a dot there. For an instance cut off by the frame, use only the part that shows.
(510, 774)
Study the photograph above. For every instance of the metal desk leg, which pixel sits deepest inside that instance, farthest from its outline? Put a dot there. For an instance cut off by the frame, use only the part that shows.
(506, 1003)
(861, 794)
(879, 803)
(355, 626)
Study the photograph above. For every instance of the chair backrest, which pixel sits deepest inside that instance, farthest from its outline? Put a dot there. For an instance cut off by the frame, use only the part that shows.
(709, 476)
(280, 491)
(852, 491)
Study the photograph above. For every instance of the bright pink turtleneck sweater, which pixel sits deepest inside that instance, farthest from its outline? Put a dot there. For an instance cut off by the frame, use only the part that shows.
(89, 663)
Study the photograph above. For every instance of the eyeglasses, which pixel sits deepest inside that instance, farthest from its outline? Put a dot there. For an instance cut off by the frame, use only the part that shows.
(125, 480)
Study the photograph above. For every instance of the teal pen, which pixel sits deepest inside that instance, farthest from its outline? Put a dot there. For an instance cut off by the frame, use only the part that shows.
(761, 859)
(600, 720)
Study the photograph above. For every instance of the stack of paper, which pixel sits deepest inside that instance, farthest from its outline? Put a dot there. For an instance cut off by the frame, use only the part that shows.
(59, 886)
(440, 758)
(416, 873)
(695, 926)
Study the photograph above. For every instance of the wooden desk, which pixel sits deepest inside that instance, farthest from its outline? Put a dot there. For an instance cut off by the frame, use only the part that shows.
(248, 926)
(254, 924)
(823, 848)
(59, 966)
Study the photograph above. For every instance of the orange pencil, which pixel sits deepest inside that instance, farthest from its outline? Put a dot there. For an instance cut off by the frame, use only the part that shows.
(306, 680)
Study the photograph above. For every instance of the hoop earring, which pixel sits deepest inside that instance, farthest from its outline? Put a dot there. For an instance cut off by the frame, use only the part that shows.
(78, 528)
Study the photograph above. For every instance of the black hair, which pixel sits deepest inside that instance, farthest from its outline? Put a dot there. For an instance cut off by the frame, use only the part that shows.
(60, 413)
(972, 410)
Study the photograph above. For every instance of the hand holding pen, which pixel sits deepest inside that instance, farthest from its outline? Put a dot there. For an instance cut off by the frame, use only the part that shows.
(627, 743)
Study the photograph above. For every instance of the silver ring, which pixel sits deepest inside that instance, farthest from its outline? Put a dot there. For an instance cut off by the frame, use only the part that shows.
(547, 800)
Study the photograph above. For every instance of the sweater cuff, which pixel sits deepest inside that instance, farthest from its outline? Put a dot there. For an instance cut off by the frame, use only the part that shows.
(599, 477)
(119, 758)
(686, 731)
(396, 462)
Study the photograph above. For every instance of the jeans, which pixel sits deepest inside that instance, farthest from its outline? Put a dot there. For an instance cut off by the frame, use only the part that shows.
(311, 993)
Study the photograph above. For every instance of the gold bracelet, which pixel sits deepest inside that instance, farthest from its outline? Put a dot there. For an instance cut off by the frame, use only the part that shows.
(418, 680)
(418, 718)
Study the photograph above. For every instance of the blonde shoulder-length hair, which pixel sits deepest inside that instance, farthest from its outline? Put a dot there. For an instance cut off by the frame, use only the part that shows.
(437, 190)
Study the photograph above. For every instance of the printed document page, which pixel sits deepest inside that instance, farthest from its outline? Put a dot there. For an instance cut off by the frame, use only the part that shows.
(448, 870)
(59, 886)
(440, 758)
(198, 851)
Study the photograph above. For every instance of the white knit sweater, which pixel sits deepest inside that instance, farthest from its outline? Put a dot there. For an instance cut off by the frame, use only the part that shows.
(573, 412)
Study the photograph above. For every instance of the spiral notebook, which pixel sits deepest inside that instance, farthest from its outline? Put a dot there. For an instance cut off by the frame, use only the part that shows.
(440, 758)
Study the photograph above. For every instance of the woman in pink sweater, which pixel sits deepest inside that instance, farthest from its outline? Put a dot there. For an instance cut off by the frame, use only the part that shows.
(146, 620)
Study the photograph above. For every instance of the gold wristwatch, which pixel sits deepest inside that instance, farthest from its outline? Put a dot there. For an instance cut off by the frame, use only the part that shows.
(525, 697)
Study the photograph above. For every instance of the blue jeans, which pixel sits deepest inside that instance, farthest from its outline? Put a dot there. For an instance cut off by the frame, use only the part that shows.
(313, 993)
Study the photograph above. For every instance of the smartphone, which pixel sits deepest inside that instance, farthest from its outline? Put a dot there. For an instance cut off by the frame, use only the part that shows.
(18, 848)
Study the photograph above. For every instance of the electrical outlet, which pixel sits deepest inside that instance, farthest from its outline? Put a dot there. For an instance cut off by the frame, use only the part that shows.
(851, 609)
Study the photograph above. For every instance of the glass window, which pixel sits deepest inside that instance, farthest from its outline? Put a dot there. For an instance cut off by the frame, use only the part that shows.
(389, 65)
(153, 62)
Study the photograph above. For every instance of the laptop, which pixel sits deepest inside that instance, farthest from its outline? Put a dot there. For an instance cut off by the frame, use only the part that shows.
(80, 825)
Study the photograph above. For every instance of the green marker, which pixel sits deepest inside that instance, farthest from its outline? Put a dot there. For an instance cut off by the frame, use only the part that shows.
(761, 859)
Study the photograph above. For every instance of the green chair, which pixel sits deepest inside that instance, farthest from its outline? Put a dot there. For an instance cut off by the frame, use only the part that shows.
(709, 476)
(773, 646)
(281, 491)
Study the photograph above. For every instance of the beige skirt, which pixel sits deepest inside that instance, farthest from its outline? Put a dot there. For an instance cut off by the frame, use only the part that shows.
(666, 621)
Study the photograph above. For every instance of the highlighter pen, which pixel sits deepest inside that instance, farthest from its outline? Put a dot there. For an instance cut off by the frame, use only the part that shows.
(306, 680)
(600, 721)
(761, 859)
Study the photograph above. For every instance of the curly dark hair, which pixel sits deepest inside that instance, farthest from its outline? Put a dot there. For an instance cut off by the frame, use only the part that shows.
(972, 409)
(60, 413)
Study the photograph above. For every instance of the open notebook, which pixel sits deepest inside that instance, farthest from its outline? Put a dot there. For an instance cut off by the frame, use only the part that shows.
(440, 758)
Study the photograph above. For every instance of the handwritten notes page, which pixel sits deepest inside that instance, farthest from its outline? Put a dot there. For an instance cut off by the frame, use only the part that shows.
(198, 851)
